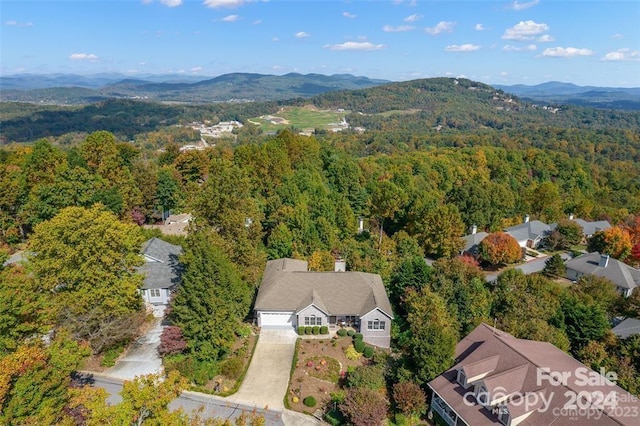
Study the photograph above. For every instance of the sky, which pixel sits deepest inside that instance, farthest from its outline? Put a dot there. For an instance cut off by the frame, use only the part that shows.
(588, 42)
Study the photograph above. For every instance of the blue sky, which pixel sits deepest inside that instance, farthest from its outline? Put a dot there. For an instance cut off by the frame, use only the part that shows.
(496, 42)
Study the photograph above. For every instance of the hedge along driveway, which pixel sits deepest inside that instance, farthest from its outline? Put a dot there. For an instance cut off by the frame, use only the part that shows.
(267, 377)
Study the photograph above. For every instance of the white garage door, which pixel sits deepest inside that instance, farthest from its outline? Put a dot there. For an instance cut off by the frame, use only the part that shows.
(276, 319)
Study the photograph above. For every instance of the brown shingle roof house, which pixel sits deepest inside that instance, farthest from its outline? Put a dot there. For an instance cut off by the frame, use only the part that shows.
(290, 295)
(501, 380)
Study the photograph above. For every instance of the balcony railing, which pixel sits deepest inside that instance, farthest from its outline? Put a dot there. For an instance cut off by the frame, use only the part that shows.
(441, 407)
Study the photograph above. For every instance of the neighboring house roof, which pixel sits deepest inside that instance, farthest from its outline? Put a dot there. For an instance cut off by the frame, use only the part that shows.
(627, 328)
(590, 228)
(178, 218)
(621, 274)
(161, 268)
(528, 230)
(471, 242)
(512, 367)
(287, 285)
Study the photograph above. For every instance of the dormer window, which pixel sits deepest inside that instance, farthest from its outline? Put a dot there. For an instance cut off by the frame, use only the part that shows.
(482, 396)
(462, 378)
(504, 416)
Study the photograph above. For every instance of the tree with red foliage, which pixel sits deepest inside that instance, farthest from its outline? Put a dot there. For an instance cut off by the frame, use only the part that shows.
(500, 247)
(171, 341)
(409, 398)
(364, 407)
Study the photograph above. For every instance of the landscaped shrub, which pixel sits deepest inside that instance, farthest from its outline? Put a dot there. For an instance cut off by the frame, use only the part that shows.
(316, 329)
(232, 367)
(367, 376)
(198, 372)
(309, 401)
(350, 333)
(342, 332)
(111, 356)
(352, 354)
(244, 330)
(359, 345)
(368, 352)
(302, 330)
(308, 330)
(357, 336)
(171, 341)
(324, 330)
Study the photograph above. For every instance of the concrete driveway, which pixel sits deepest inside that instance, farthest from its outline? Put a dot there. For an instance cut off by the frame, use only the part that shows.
(142, 357)
(267, 378)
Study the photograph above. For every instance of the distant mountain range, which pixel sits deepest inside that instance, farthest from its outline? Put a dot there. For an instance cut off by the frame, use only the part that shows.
(235, 87)
(71, 89)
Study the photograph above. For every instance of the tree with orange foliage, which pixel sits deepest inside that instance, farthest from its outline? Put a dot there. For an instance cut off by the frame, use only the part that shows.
(500, 247)
(616, 242)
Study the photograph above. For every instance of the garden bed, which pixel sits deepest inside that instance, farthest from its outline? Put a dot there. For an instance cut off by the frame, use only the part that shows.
(310, 377)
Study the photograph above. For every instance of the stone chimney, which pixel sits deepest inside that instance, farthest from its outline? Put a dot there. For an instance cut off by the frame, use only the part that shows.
(604, 260)
(340, 265)
(526, 219)
(360, 225)
(570, 216)
(474, 229)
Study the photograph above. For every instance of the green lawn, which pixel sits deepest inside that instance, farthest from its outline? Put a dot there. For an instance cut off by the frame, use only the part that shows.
(302, 118)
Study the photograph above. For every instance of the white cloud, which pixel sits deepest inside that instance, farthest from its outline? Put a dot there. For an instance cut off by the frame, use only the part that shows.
(504, 73)
(196, 69)
(275, 39)
(528, 48)
(617, 36)
(462, 48)
(302, 34)
(355, 45)
(230, 18)
(230, 4)
(525, 30)
(398, 29)
(348, 15)
(18, 24)
(516, 5)
(257, 22)
(413, 18)
(441, 27)
(545, 39)
(622, 55)
(83, 57)
(479, 27)
(171, 3)
(566, 52)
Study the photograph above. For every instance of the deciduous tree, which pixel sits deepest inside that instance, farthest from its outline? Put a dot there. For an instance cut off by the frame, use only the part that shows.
(616, 242)
(500, 247)
(364, 407)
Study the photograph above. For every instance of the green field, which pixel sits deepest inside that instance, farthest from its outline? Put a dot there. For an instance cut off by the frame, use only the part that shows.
(303, 118)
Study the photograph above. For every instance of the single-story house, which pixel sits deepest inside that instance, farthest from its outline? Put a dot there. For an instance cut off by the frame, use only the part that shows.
(290, 296)
(588, 227)
(161, 271)
(528, 234)
(622, 275)
(472, 242)
(627, 328)
(499, 379)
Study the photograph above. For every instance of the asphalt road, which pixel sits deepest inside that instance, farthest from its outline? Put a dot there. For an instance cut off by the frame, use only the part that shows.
(211, 406)
(530, 267)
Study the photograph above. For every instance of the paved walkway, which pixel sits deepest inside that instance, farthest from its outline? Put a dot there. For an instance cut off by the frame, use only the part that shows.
(142, 357)
(267, 378)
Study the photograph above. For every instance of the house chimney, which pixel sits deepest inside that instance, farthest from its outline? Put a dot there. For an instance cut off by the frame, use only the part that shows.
(360, 225)
(526, 219)
(604, 260)
(340, 265)
(570, 216)
(474, 229)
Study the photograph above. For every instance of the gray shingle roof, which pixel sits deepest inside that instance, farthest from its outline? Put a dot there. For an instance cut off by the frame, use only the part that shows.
(287, 285)
(161, 268)
(528, 230)
(627, 328)
(590, 228)
(471, 241)
(621, 274)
